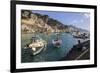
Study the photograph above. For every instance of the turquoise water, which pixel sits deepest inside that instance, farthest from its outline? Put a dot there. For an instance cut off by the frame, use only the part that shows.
(50, 53)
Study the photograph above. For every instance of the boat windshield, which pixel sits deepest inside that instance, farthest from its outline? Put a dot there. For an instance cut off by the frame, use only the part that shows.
(34, 39)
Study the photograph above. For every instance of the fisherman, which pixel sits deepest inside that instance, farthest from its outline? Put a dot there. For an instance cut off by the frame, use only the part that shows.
(80, 45)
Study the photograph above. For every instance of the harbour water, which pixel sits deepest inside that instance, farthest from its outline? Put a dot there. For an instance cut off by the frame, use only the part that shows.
(50, 53)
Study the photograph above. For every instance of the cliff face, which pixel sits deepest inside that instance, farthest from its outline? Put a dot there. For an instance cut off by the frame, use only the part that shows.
(38, 23)
(33, 23)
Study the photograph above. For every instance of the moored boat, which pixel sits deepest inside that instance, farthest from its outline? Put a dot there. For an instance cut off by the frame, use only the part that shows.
(57, 42)
(37, 45)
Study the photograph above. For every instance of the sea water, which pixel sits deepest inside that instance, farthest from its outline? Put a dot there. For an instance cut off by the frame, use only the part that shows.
(50, 53)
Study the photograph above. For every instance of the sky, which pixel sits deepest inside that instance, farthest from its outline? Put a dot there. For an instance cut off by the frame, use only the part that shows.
(78, 19)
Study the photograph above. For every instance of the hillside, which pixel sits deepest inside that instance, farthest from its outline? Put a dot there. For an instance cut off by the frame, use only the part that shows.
(38, 23)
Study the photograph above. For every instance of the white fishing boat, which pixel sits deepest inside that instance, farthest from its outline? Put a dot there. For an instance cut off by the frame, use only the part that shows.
(57, 42)
(37, 45)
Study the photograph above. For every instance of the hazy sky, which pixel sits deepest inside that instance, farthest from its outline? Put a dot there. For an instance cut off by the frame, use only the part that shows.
(78, 19)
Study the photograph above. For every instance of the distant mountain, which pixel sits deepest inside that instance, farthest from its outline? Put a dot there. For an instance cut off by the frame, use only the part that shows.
(78, 29)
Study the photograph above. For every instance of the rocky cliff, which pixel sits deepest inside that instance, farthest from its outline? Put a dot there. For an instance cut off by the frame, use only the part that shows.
(37, 23)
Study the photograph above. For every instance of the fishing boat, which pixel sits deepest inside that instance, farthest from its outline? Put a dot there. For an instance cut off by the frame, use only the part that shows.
(81, 36)
(57, 42)
(37, 45)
